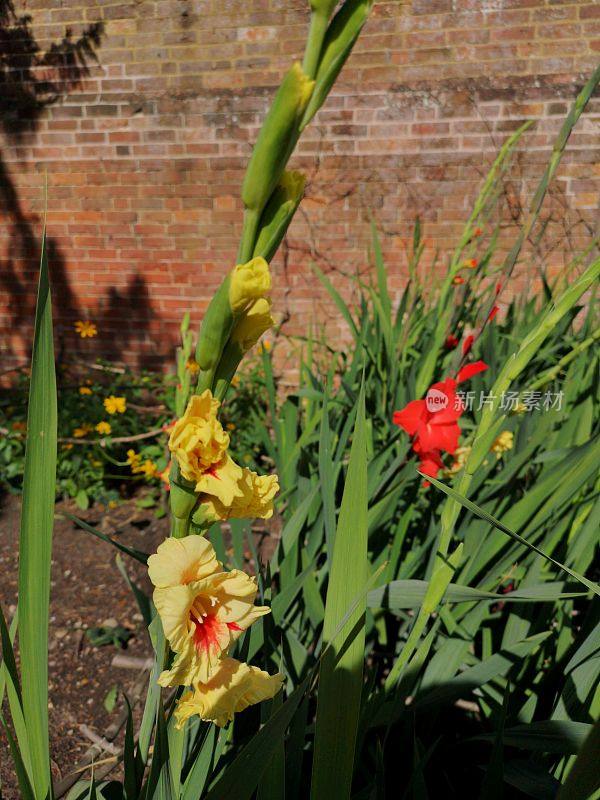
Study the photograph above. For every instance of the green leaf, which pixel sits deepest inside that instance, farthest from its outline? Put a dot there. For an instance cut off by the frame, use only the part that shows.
(593, 587)
(583, 780)
(138, 555)
(341, 671)
(547, 736)
(242, 776)
(35, 544)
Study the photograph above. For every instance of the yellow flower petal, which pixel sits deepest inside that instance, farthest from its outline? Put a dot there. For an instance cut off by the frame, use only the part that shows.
(251, 326)
(115, 405)
(201, 621)
(181, 561)
(103, 428)
(249, 282)
(221, 481)
(254, 500)
(234, 687)
(198, 440)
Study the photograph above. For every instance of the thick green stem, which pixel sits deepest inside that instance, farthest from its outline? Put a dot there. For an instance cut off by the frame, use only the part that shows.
(180, 528)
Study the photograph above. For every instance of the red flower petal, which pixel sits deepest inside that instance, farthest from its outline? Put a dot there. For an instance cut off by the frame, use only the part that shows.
(468, 344)
(493, 313)
(411, 417)
(451, 342)
(471, 369)
(431, 463)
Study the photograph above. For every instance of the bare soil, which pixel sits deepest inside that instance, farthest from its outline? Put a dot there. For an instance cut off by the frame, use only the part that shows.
(87, 590)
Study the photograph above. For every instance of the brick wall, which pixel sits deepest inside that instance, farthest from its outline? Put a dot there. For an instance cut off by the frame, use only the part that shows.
(145, 145)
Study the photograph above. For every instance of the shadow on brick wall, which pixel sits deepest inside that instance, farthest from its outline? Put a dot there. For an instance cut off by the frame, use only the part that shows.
(31, 79)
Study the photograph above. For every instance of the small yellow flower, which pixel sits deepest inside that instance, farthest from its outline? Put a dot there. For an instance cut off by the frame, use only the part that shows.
(230, 426)
(203, 610)
(67, 446)
(192, 366)
(148, 468)
(86, 329)
(112, 503)
(133, 459)
(234, 687)
(199, 444)
(502, 443)
(461, 455)
(248, 283)
(115, 405)
(79, 433)
(83, 390)
(103, 428)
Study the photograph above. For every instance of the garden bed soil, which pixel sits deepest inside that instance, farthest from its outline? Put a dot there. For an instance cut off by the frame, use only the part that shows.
(87, 591)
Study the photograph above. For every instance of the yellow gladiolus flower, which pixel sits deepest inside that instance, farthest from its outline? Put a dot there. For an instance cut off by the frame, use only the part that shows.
(103, 428)
(83, 390)
(234, 687)
(255, 501)
(248, 283)
(133, 458)
(253, 324)
(199, 444)
(115, 405)
(203, 611)
(86, 329)
(502, 443)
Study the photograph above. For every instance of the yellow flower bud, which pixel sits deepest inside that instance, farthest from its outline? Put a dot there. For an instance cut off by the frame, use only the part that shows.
(252, 325)
(248, 283)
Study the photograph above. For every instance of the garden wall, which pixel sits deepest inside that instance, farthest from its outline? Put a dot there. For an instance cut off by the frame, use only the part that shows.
(143, 114)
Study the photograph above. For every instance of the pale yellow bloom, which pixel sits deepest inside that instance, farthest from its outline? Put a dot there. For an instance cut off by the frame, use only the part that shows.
(203, 610)
(248, 283)
(181, 561)
(502, 443)
(83, 390)
(199, 444)
(251, 326)
(115, 405)
(79, 433)
(103, 428)
(86, 329)
(255, 501)
(234, 687)
(461, 455)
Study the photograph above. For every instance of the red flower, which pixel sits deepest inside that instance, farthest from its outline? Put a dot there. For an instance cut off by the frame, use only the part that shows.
(433, 421)
(468, 344)
(451, 342)
(477, 232)
(498, 288)
(469, 370)
(493, 313)
(430, 463)
(457, 280)
(472, 263)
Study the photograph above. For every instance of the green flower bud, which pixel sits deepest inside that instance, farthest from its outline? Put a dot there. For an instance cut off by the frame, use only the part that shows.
(276, 139)
(214, 333)
(278, 213)
(341, 35)
(323, 7)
